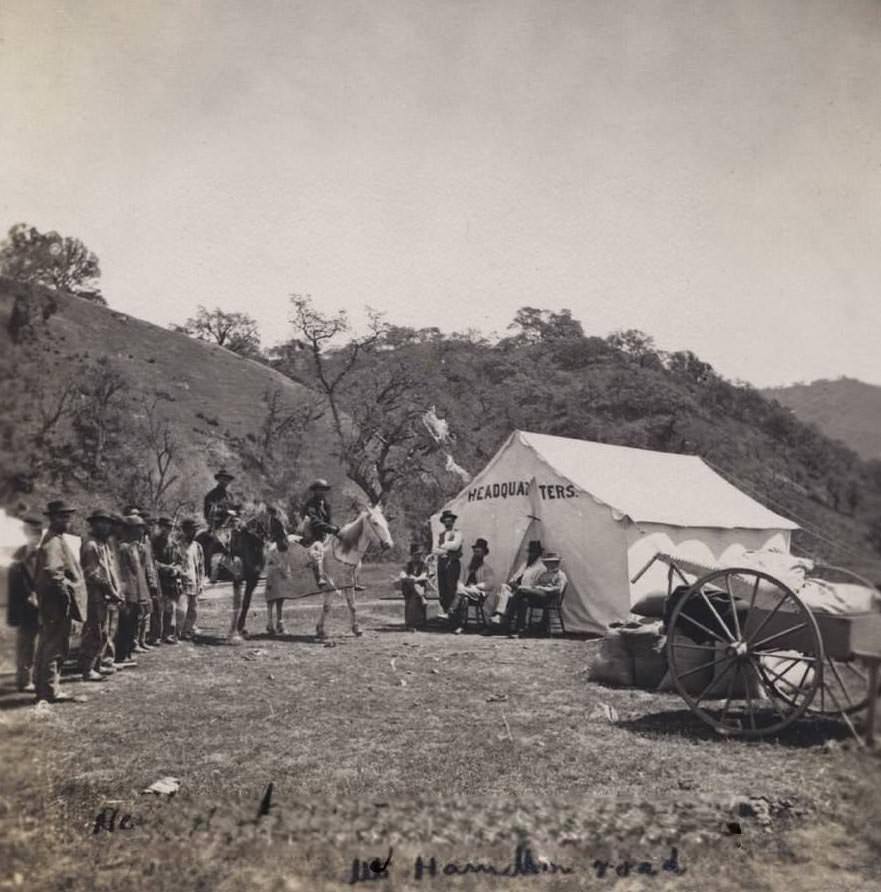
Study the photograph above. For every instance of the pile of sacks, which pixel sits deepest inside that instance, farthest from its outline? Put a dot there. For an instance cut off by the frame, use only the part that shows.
(634, 654)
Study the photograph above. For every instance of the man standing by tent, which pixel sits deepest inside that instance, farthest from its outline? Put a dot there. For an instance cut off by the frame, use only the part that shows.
(449, 561)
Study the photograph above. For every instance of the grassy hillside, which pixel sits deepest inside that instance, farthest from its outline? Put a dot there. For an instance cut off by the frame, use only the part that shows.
(844, 409)
(213, 403)
(59, 436)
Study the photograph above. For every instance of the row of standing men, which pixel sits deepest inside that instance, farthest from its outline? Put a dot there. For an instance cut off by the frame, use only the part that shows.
(133, 585)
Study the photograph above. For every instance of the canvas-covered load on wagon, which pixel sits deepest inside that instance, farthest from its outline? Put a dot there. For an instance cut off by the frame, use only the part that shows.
(753, 646)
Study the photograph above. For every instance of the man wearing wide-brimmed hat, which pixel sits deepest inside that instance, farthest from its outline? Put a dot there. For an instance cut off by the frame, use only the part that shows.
(58, 580)
(526, 574)
(22, 612)
(550, 585)
(414, 580)
(192, 579)
(478, 582)
(219, 500)
(102, 589)
(317, 514)
(169, 566)
(449, 561)
(135, 591)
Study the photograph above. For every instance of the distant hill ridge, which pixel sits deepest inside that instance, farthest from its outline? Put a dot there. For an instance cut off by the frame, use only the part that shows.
(845, 409)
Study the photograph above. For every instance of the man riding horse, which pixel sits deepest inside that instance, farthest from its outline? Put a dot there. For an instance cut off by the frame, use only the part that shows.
(219, 500)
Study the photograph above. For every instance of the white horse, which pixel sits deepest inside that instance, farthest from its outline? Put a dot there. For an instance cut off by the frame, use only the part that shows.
(339, 557)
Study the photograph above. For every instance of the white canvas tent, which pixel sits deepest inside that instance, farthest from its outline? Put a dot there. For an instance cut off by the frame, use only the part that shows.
(607, 509)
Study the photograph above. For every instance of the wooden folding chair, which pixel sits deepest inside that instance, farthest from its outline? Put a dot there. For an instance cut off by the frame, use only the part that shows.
(550, 608)
(474, 604)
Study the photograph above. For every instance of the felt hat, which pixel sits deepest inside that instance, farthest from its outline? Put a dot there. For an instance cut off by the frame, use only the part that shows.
(100, 514)
(550, 556)
(448, 515)
(188, 523)
(165, 521)
(134, 520)
(320, 483)
(481, 543)
(59, 506)
(131, 509)
(223, 474)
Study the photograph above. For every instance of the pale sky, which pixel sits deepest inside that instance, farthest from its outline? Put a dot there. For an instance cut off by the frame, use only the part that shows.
(709, 172)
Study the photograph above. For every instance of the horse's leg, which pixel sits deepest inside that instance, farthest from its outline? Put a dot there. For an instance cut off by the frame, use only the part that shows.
(236, 609)
(320, 571)
(250, 585)
(350, 600)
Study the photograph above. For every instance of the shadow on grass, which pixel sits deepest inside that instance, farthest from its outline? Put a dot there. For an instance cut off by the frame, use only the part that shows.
(289, 637)
(804, 733)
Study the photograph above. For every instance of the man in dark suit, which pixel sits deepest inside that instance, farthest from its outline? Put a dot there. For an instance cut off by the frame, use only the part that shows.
(22, 611)
(219, 500)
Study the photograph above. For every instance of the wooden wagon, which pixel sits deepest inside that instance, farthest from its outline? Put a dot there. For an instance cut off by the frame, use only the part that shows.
(749, 657)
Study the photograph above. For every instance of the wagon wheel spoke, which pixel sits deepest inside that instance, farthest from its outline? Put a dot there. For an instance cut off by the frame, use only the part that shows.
(713, 681)
(863, 678)
(840, 681)
(701, 626)
(768, 693)
(783, 655)
(697, 669)
(695, 646)
(781, 676)
(716, 616)
(749, 701)
(779, 634)
(733, 607)
(729, 692)
(773, 613)
(843, 713)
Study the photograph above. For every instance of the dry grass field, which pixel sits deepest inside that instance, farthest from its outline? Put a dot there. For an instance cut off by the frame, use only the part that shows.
(459, 748)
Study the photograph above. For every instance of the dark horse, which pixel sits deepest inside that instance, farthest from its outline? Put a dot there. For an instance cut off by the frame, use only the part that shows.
(237, 553)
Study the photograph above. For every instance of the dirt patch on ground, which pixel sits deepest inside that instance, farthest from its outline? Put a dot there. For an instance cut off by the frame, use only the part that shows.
(470, 750)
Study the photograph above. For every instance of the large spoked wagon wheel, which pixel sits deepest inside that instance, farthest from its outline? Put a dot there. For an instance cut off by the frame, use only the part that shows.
(744, 652)
(845, 684)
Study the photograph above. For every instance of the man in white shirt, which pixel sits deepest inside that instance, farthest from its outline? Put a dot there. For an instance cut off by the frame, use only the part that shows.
(548, 587)
(449, 561)
(526, 574)
(192, 578)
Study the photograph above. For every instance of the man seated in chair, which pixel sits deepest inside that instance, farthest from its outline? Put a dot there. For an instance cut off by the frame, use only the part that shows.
(478, 581)
(526, 575)
(547, 590)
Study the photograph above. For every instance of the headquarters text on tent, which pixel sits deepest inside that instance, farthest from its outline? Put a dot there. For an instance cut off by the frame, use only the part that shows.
(520, 488)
